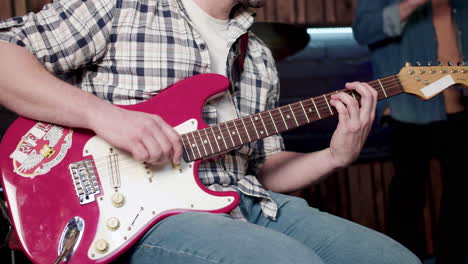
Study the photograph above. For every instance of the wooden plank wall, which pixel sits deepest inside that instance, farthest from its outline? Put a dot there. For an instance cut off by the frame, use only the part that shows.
(309, 12)
(360, 193)
(11, 8)
(6, 9)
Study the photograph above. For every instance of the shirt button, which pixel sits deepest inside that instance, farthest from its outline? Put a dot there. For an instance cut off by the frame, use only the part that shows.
(225, 185)
(203, 46)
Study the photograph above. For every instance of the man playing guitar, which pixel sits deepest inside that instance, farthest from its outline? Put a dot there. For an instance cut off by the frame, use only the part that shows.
(124, 52)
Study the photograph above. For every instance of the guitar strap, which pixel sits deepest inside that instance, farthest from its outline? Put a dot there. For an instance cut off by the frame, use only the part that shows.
(244, 40)
(237, 67)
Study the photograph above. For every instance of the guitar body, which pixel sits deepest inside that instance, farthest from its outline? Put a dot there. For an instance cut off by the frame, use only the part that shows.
(58, 178)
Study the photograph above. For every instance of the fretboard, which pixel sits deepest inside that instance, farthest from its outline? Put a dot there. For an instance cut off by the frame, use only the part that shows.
(220, 138)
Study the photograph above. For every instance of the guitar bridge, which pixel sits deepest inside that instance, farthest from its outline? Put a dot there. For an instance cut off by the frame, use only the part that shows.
(84, 178)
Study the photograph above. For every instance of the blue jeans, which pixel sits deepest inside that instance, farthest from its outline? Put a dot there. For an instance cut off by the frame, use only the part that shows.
(301, 234)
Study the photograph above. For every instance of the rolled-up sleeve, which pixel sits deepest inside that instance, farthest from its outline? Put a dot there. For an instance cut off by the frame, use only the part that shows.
(392, 24)
(65, 35)
(376, 21)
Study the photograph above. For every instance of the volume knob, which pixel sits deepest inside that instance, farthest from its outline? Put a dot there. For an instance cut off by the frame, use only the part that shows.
(101, 246)
(118, 199)
(113, 223)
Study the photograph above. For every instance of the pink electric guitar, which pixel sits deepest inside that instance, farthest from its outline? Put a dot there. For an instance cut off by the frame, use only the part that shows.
(74, 198)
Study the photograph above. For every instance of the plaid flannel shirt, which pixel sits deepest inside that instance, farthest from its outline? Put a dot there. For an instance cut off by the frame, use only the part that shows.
(126, 51)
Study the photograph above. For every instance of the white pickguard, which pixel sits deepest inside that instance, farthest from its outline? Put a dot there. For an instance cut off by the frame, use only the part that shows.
(147, 193)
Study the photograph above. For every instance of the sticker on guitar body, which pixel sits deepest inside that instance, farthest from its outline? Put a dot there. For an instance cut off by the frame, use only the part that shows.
(40, 149)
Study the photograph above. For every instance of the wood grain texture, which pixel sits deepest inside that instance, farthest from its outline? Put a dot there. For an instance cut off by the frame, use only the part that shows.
(315, 12)
(309, 12)
(21, 7)
(344, 11)
(6, 10)
(304, 12)
(360, 193)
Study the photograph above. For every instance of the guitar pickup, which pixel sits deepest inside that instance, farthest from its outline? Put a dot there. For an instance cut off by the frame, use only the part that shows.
(85, 181)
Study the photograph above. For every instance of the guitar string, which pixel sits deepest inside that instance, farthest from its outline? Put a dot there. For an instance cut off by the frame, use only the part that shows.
(128, 166)
(199, 139)
(296, 109)
(303, 104)
(230, 125)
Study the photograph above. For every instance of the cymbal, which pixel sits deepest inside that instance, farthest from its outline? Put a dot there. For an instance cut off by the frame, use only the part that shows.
(283, 40)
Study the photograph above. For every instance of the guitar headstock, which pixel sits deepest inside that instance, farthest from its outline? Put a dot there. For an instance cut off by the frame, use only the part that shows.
(428, 81)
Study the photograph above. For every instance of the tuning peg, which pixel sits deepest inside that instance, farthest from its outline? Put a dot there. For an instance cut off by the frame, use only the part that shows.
(440, 63)
(418, 63)
(449, 63)
(429, 63)
(408, 64)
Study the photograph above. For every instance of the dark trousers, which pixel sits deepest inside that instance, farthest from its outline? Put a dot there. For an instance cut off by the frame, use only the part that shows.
(413, 147)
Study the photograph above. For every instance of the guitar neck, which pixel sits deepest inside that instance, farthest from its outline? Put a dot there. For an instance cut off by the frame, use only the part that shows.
(217, 139)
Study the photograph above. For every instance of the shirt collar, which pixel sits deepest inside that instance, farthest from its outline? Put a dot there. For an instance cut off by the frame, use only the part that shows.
(241, 20)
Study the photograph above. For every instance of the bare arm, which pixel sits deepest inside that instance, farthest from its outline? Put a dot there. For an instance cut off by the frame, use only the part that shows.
(289, 171)
(29, 90)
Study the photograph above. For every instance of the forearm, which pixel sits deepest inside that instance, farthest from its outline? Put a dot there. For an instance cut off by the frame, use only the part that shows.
(290, 171)
(29, 90)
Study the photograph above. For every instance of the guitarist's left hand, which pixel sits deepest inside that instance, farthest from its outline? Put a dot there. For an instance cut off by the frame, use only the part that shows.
(355, 122)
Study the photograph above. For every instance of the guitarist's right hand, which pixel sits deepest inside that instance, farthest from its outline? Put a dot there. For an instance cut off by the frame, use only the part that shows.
(148, 138)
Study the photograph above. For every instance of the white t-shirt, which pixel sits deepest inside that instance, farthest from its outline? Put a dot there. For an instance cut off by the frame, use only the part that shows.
(215, 33)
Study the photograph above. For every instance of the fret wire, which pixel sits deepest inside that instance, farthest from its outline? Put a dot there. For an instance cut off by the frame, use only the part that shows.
(215, 138)
(297, 123)
(272, 119)
(328, 104)
(186, 148)
(222, 136)
(301, 115)
(202, 142)
(196, 145)
(316, 109)
(261, 119)
(245, 128)
(288, 116)
(255, 127)
(279, 121)
(284, 120)
(305, 113)
(209, 141)
(238, 134)
(381, 86)
(229, 133)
